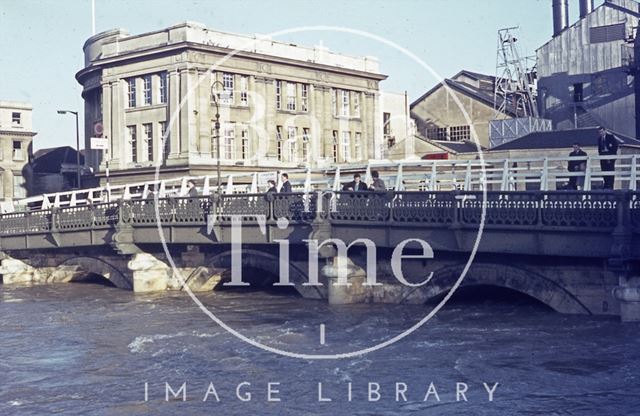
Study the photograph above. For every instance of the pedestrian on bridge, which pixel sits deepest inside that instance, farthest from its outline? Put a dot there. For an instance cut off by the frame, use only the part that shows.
(356, 184)
(607, 146)
(577, 182)
(269, 196)
(377, 184)
(192, 190)
(286, 185)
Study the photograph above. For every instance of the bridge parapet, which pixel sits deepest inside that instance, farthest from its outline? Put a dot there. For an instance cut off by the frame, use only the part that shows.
(578, 211)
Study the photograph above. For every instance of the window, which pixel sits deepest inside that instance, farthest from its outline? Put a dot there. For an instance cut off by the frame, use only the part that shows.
(304, 102)
(166, 144)
(16, 118)
(244, 145)
(345, 103)
(346, 146)
(278, 94)
(279, 141)
(18, 154)
(18, 150)
(335, 146)
(356, 104)
(459, 133)
(228, 136)
(437, 133)
(334, 102)
(607, 33)
(131, 92)
(386, 124)
(146, 89)
(163, 87)
(357, 144)
(19, 190)
(244, 87)
(133, 144)
(291, 96)
(148, 139)
(227, 82)
(305, 144)
(292, 133)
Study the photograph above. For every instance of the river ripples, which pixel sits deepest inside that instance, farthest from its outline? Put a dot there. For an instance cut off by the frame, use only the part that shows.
(91, 349)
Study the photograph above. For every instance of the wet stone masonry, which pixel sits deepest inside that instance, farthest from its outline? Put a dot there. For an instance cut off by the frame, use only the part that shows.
(578, 252)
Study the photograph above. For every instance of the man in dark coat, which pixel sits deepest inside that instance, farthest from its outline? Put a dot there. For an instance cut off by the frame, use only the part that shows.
(269, 195)
(192, 190)
(607, 145)
(356, 184)
(576, 182)
(286, 185)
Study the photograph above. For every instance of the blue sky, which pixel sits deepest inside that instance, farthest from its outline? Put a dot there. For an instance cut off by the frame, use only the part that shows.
(41, 40)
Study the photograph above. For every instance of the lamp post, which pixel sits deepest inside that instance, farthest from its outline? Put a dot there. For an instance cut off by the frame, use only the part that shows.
(214, 98)
(75, 113)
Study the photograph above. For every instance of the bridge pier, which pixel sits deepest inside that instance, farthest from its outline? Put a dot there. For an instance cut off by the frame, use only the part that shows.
(628, 294)
(149, 274)
(386, 290)
(15, 271)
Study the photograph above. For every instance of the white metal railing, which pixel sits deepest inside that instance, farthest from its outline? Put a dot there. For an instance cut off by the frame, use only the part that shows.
(425, 175)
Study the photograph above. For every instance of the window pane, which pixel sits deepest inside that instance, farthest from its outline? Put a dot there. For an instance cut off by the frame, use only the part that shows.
(131, 92)
(19, 189)
(133, 143)
(148, 138)
(146, 80)
(163, 87)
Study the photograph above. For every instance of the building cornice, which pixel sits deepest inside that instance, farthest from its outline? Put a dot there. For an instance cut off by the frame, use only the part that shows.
(182, 46)
(17, 133)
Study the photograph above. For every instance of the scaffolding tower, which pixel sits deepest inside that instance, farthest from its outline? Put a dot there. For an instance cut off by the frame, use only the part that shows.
(514, 88)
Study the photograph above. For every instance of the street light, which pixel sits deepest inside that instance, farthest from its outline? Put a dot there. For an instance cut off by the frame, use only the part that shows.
(75, 113)
(215, 96)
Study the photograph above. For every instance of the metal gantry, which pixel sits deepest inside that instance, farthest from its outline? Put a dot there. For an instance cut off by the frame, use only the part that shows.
(514, 81)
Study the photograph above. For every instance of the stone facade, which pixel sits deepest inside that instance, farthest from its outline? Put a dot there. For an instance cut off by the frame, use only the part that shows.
(16, 134)
(280, 105)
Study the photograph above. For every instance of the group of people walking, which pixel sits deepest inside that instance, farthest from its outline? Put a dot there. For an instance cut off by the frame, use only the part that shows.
(607, 146)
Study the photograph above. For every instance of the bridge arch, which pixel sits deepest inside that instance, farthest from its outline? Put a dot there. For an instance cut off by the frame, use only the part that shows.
(531, 283)
(75, 268)
(269, 263)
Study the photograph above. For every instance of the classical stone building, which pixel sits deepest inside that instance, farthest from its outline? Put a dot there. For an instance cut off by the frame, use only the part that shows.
(280, 105)
(439, 117)
(16, 134)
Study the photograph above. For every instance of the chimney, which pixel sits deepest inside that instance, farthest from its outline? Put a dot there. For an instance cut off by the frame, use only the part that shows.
(586, 7)
(560, 16)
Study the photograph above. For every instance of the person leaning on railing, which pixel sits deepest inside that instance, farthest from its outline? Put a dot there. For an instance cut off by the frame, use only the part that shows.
(607, 145)
(577, 182)
(377, 184)
(356, 184)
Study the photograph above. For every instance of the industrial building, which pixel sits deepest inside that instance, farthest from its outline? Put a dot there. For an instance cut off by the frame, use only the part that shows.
(441, 113)
(587, 72)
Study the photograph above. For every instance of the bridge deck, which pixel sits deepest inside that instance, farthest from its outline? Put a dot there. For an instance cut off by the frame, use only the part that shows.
(579, 224)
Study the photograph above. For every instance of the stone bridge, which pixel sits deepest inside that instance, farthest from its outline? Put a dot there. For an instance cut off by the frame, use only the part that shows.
(577, 252)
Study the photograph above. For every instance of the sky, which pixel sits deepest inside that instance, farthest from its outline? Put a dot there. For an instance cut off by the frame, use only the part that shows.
(41, 40)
